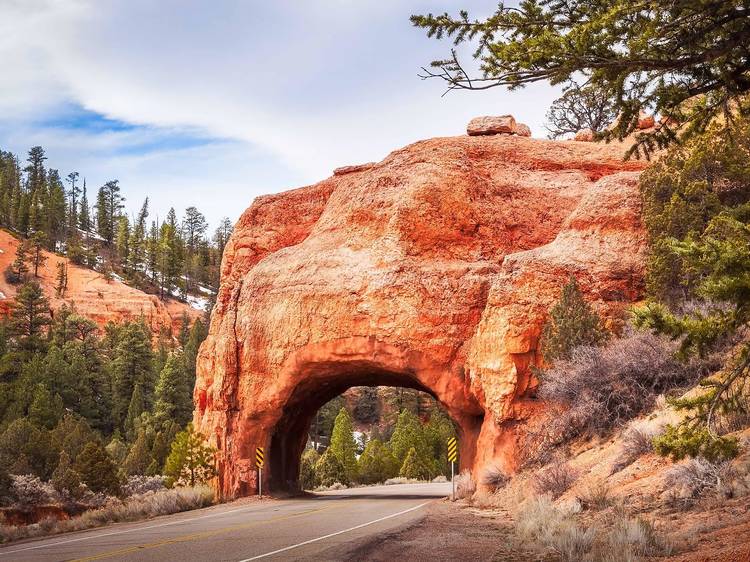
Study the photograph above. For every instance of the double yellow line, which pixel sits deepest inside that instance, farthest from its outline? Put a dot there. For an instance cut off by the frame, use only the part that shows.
(201, 535)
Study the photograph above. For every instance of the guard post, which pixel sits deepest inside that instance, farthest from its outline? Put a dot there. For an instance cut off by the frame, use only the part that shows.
(260, 457)
(452, 457)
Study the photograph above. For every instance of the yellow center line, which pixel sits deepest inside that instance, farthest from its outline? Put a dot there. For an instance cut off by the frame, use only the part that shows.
(203, 534)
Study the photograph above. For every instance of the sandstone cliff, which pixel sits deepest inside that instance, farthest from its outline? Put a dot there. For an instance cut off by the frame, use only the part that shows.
(432, 269)
(92, 296)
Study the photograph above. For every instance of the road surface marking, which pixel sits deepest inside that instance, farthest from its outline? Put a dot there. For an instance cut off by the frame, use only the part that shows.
(279, 551)
(200, 535)
(131, 530)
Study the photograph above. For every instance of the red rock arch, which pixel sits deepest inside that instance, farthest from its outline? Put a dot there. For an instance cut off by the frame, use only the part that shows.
(433, 269)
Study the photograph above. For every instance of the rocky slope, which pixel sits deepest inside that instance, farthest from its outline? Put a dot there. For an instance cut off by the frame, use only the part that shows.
(92, 296)
(432, 269)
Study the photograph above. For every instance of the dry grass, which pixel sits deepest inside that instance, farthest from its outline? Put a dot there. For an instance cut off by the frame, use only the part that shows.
(135, 508)
(596, 497)
(631, 540)
(636, 442)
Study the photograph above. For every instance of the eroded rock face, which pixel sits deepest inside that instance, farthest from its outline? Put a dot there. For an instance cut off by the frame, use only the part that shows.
(431, 269)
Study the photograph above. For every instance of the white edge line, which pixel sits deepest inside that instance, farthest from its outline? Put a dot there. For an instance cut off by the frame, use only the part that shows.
(124, 531)
(279, 551)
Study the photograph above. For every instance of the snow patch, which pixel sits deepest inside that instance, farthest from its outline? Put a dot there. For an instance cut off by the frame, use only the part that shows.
(2, 295)
(199, 303)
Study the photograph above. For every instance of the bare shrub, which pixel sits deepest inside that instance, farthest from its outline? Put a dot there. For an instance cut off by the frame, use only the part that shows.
(495, 478)
(465, 485)
(694, 478)
(29, 491)
(439, 479)
(555, 479)
(604, 387)
(139, 484)
(596, 497)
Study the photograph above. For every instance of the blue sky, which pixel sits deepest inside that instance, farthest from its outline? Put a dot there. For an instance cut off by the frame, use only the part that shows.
(211, 103)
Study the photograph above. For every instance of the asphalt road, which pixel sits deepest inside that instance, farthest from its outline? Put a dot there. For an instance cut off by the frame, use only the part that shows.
(323, 527)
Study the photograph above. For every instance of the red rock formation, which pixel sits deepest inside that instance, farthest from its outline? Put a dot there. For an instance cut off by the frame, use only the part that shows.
(432, 269)
(92, 296)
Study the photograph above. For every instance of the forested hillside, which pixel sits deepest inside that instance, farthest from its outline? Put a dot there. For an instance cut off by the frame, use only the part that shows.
(171, 256)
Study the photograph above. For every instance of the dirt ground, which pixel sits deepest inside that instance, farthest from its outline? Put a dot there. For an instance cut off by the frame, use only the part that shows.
(446, 532)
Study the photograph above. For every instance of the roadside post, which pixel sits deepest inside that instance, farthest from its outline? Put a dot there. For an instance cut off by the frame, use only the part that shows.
(259, 460)
(452, 457)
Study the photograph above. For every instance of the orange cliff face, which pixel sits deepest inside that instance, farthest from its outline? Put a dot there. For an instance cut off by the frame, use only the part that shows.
(433, 269)
(92, 296)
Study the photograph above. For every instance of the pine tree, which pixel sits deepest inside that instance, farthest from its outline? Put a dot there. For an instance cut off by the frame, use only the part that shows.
(571, 324)
(19, 268)
(170, 255)
(137, 246)
(84, 217)
(45, 410)
(122, 241)
(61, 278)
(109, 204)
(132, 364)
(173, 396)
(409, 434)
(191, 461)
(97, 470)
(414, 467)
(37, 243)
(198, 333)
(438, 431)
(54, 211)
(377, 463)
(139, 456)
(329, 470)
(343, 444)
(73, 197)
(136, 407)
(66, 481)
(29, 315)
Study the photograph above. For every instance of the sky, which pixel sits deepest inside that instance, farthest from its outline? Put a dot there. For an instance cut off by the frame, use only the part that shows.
(214, 102)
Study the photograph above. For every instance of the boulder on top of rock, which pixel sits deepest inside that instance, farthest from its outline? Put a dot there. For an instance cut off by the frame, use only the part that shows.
(645, 121)
(522, 130)
(353, 168)
(584, 135)
(491, 125)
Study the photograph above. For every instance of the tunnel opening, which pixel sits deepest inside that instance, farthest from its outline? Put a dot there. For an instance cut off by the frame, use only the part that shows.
(299, 426)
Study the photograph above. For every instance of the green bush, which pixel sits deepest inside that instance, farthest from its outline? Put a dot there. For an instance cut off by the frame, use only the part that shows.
(329, 470)
(377, 463)
(308, 479)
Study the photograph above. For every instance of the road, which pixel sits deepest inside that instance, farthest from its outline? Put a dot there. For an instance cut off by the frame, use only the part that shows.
(320, 527)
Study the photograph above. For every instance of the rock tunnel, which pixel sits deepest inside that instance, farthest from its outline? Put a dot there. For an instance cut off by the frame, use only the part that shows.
(433, 269)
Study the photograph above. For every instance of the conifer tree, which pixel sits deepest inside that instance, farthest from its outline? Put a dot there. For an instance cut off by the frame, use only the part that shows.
(19, 267)
(173, 396)
(329, 470)
(414, 467)
(137, 245)
(73, 197)
(132, 364)
(122, 241)
(191, 461)
(409, 434)
(343, 444)
(97, 470)
(61, 278)
(139, 456)
(29, 315)
(136, 407)
(66, 481)
(84, 217)
(376, 464)
(109, 204)
(37, 243)
(572, 323)
(308, 480)
(45, 409)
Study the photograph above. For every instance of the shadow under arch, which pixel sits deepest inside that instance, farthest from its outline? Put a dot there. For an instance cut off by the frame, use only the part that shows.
(330, 379)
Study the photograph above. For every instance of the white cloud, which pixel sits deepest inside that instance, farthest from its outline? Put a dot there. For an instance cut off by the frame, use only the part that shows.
(309, 85)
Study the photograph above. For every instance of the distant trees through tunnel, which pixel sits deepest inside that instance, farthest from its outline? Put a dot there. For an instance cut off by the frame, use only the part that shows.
(368, 435)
